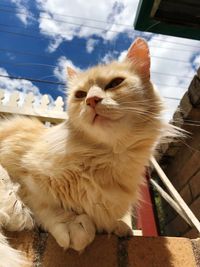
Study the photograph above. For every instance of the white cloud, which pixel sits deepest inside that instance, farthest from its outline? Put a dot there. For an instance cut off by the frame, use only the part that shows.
(171, 65)
(110, 56)
(122, 55)
(197, 61)
(14, 84)
(90, 45)
(65, 18)
(23, 86)
(24, 14)
(54, 44)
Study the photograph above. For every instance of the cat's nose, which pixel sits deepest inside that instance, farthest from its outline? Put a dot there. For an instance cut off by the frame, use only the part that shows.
(93, 100)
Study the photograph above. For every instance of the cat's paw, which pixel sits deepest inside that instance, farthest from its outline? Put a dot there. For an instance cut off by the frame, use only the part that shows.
(82, 232)
(60, 232)
(122, 229)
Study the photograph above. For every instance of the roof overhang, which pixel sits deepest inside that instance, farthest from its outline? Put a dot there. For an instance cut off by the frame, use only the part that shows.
(179, 18)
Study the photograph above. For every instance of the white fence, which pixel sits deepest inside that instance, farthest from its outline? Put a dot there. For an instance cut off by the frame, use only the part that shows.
(28, 104)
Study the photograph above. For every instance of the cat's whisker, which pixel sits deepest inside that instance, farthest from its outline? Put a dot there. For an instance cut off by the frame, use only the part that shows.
(137, 105)
(144, 116)
(144, 101)
(131, 103)
(48, 76)
(190, 147)
(138, 101)
(131, 109)
(187, 122)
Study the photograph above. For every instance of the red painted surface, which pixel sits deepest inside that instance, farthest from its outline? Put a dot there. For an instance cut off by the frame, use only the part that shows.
(145, 213)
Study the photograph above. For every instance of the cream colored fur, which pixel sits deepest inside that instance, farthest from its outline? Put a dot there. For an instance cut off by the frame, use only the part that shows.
(14, 216)
(84, 175)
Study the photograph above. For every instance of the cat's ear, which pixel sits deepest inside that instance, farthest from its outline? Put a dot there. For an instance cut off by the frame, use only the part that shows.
(71, 73)
(138, 54)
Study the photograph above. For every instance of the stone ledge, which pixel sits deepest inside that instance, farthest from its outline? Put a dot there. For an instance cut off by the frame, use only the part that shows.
(110, 251)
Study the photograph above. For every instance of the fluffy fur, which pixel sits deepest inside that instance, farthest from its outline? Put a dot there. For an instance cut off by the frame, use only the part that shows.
(83, 175)
(14, 216)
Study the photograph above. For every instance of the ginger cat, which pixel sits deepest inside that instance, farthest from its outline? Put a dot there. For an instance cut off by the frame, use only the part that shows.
(83, 176)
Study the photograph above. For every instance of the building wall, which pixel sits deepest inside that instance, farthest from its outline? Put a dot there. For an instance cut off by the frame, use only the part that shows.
(181, 161)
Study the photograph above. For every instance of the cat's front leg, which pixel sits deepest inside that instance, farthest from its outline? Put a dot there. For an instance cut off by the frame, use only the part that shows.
(69, 229)
(82, 232)
(76, 233)
(122, 229)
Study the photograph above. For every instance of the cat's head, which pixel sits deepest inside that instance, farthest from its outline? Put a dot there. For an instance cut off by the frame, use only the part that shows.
(115, 103)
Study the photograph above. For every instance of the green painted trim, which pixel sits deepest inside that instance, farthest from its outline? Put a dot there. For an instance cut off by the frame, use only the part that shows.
(143, 22)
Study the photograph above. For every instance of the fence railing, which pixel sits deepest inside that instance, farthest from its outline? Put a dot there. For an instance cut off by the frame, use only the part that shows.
(30, 105)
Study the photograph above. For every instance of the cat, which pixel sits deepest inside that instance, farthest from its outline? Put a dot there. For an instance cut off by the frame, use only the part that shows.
(83, 175)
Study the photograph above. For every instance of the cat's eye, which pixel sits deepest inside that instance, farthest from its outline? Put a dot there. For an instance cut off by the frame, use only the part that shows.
(114, 83)
(80, 94)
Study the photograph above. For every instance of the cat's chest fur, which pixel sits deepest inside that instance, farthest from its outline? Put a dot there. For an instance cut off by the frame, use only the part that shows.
(102, 185)
(76, 175)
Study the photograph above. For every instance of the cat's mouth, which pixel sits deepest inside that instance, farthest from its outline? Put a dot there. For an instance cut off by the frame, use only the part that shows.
(104, 119)
(98, 118)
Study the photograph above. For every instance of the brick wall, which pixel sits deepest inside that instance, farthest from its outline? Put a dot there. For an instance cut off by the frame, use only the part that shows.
(181, 161)
(42, 251)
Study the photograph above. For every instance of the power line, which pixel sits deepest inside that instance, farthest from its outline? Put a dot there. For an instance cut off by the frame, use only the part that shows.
(52, 32)
(27, 64)
(169, 85)
(21, 28)
(31, 79)
(49, 56)
(93, 27)
(77, 17)
(53, 66)
(177, 43)
(24, 34)
(13, 51)
(170, 74)
(89, 19)
(63, 21)
(174, 49)
(63, 84)
(172, 59)
(33, 36)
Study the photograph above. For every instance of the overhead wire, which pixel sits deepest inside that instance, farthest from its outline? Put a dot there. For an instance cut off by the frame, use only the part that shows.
(31, 79)
(76, 17)
(63, 21)
(98, 28)
(13, 51)
(94, 27)
(43, 37)
(50, 56)
(63, 84)
(33, 36)
(56, 33)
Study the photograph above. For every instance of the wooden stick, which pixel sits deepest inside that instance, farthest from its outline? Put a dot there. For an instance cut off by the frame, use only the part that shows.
(170, 200)
(176, 195)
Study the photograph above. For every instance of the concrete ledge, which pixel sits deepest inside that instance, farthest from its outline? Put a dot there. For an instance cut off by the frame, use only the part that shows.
(105, 251)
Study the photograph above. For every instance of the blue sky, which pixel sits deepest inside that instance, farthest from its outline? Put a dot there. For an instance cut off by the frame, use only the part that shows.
(40, 38)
